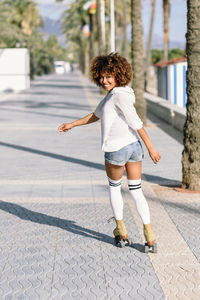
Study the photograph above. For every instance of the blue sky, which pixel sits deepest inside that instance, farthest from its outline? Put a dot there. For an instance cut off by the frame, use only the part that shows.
(51, 8)
(178, 19)
(177, 26)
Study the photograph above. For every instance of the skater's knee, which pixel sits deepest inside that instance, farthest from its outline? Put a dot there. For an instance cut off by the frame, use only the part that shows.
(114, 183)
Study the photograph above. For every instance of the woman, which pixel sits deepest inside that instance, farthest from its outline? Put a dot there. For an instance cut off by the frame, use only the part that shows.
(120, 126)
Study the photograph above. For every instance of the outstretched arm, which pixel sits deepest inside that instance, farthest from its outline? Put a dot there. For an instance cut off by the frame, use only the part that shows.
(154, 154)
(91, 118)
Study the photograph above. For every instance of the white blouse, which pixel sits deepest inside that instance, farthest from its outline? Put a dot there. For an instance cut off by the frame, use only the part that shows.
(119, 120)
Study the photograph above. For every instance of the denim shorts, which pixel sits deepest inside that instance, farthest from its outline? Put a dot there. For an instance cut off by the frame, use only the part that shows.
(132, 153)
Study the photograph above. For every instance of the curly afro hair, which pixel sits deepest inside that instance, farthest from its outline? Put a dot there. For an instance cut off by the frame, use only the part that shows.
(113, 64)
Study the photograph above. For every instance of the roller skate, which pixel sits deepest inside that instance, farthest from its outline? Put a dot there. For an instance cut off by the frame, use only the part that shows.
(150, 245)
(121, 235)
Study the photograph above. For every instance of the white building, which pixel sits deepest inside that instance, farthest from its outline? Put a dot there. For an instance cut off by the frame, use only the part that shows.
(61, 67)
(171, 78)
(14, 69)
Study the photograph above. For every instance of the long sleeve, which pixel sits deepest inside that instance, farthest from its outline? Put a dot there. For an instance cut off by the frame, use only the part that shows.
(98, 110)
(124, 105)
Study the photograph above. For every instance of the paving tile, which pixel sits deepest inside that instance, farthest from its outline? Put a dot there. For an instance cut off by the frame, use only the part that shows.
(55, 242)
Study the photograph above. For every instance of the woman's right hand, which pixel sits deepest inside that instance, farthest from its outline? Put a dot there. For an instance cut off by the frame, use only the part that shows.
(65, 127)
(155, 155)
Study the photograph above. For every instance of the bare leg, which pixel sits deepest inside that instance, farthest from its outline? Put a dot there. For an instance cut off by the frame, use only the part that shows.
(113, 171)
(134, 170)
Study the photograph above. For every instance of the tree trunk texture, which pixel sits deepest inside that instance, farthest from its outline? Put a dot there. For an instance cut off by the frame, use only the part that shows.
(138, 58)
(100, 37)
(82, 60)
(118, 29)
(191, 152)
(166, 5)
(124, 37)
(99, 29)
(112, 26)
(91, 51)
(87, 65)
(148, 52)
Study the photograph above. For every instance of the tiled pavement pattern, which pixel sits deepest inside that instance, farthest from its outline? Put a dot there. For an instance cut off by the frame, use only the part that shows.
(55, 242)
(185, 213)
(175, 265)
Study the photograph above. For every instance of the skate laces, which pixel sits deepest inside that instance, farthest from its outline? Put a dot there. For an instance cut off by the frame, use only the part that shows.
(110, 219)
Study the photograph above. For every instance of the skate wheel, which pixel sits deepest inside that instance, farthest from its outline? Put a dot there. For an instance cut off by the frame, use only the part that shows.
(146, 248)
(152, 248)
(117, 241)
(125, 243)
(121, 243)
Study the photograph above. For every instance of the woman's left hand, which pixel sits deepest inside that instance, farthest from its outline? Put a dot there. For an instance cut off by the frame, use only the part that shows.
(155, 155)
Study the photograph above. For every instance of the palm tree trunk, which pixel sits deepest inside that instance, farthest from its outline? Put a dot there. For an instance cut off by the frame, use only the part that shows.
(103, 25)
(166, 4)
(138, 58)
(99, 27)
(191, 152)
(100, 37)
(124, 42)
(91, 19)
(148, 52)
(82, 60)
(112, 26)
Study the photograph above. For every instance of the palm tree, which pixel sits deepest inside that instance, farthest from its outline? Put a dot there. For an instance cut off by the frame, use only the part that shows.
(25, 15)
(99, 29)
(138, 58)
(191, 152)
(148, 52)
(123, 14)
(124, 43)
(74, 18)
(100, 26)
(166, 6)
(9, 33)
(92, 36)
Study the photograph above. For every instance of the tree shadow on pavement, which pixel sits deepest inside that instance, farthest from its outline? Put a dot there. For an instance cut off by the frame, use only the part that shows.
(40, 113)
(40, 218)
(28, 103)
(37, 81)
(58, 86)
(161, 180)
(56, 156)
(184, 208)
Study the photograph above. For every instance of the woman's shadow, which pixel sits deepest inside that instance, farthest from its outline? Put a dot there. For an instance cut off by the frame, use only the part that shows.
(68, 225)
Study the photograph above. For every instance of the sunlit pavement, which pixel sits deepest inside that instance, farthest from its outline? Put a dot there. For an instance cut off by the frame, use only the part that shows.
(55, 241)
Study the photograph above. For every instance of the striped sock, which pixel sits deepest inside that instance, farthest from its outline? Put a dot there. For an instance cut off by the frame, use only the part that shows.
(116, 199)
(142, 206)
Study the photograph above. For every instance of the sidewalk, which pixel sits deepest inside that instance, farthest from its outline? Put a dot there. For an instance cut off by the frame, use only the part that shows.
(55, 242)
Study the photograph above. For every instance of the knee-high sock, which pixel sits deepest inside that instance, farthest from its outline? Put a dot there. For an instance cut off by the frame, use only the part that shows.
(140, 201)
(116, 199)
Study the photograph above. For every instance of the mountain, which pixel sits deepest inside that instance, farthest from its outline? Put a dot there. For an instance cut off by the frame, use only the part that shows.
(53, 27)
(157, 43)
